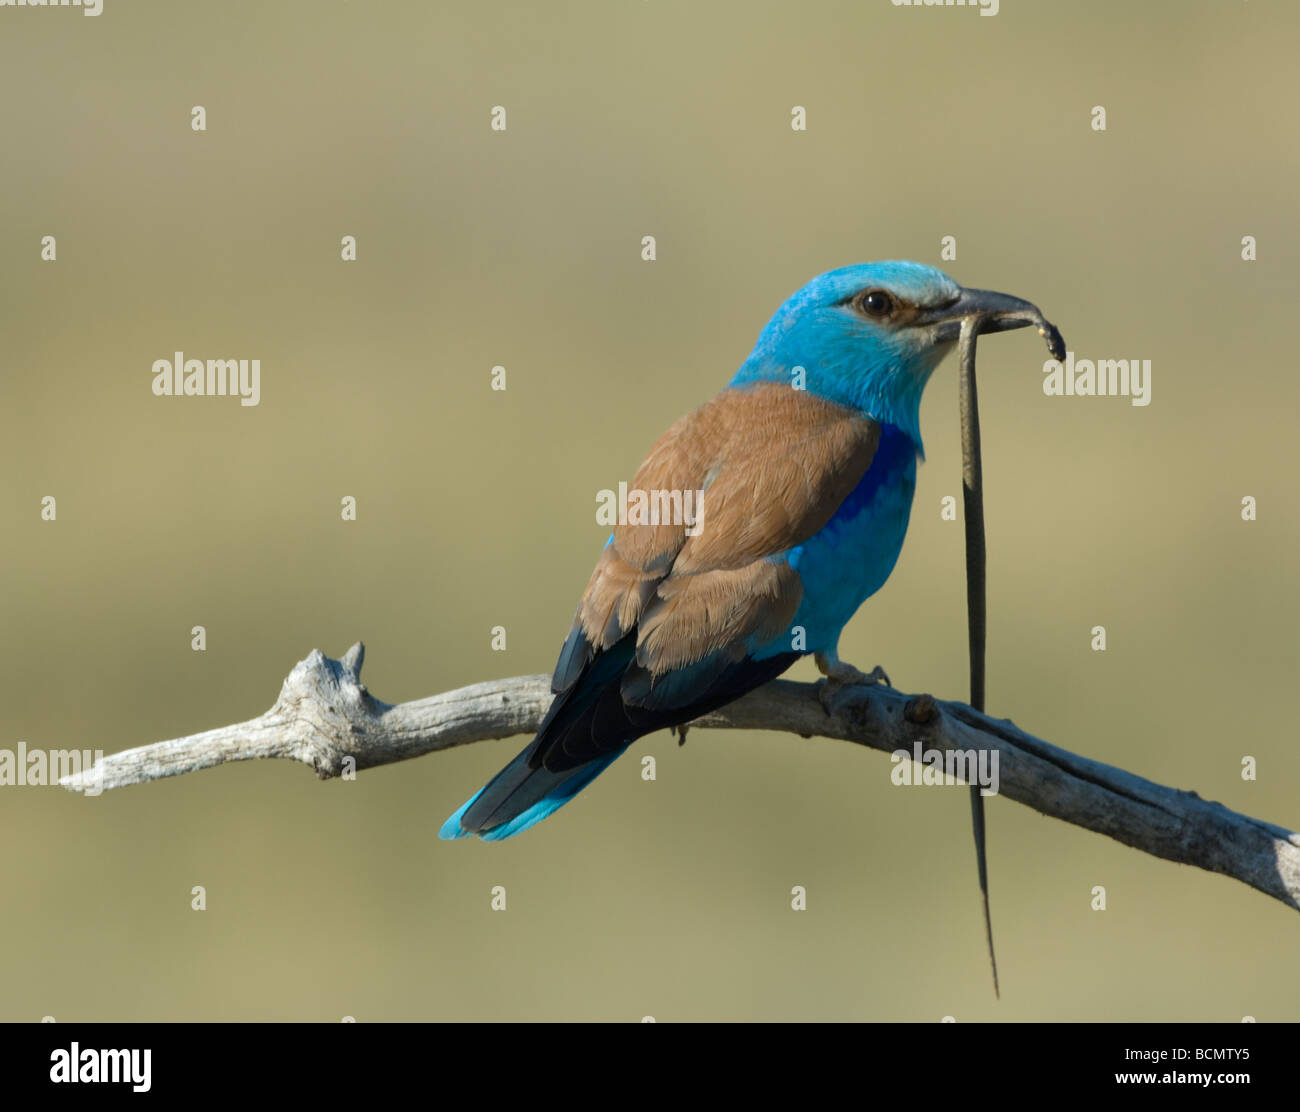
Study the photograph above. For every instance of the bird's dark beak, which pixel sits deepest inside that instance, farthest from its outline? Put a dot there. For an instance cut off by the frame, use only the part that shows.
(991, 312)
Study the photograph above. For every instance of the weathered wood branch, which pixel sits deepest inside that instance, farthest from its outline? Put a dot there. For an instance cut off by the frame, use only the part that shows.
(326, 718)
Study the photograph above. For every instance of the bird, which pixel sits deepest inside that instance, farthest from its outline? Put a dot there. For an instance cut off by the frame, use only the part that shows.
(805, 466)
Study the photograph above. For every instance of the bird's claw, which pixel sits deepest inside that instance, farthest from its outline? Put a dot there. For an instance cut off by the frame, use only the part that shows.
(838, 674)
(846, 674)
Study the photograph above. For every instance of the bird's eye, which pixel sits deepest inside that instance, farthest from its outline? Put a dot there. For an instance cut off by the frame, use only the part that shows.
(876, 303)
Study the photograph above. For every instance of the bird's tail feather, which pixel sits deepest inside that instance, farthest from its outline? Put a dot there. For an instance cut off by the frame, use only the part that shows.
(589, 725)
(519, 797)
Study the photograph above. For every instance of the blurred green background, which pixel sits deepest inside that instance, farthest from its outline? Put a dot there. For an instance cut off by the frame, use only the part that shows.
(476, 508)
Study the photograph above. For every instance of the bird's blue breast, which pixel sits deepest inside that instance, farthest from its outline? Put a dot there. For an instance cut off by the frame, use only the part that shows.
(850, 558)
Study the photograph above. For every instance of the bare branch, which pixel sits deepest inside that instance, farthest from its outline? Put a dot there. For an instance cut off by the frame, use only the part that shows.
(325, 717)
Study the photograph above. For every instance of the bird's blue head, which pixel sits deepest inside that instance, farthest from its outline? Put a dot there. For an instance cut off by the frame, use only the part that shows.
(869, 336)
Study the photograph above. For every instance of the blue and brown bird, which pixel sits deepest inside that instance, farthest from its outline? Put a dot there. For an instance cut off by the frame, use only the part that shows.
(807, 463)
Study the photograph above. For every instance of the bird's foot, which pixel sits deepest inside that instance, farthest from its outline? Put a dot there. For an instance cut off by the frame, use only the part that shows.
(839, 674)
